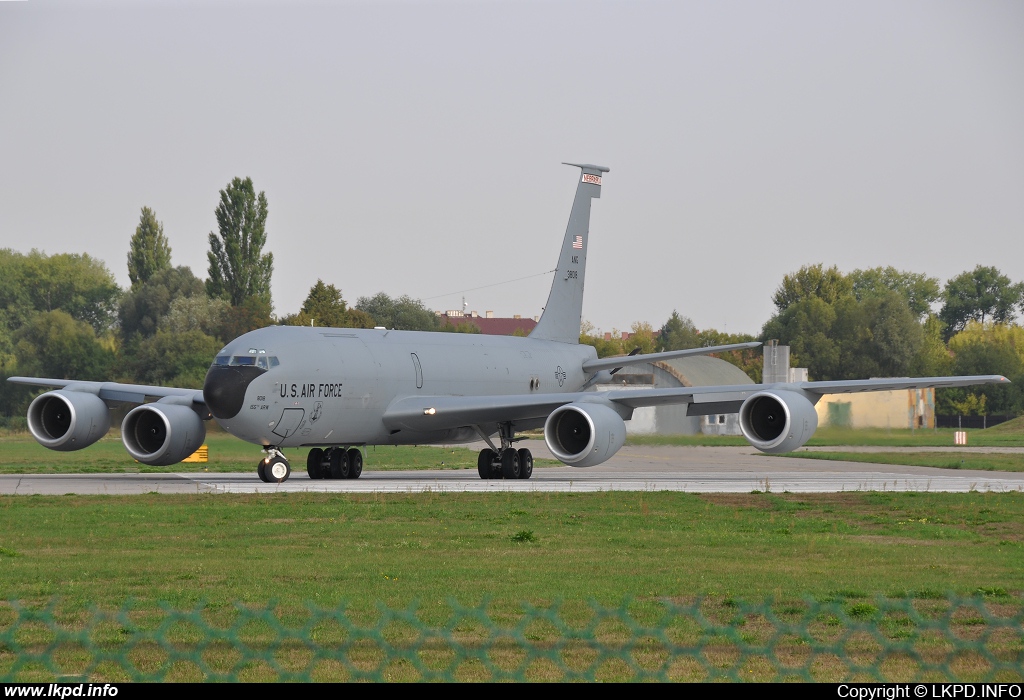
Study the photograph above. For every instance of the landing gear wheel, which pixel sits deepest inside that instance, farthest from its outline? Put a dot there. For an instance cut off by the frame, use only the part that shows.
(339, 463)
(355, 463)
(276, 470)
(525, 464)
(313, 461)
(259, 471)
(485, 463)
(510, 467)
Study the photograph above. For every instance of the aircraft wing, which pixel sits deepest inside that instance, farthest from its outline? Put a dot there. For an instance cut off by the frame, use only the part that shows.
(425, 413)
(627, 360)
(112, 391)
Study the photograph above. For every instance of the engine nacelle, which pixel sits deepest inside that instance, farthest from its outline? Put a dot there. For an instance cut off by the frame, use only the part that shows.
(584, 434)
(68, 420)
(778, 420)
(160, 434)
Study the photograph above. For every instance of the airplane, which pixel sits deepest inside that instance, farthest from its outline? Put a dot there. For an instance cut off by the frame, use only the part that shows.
(335, 390)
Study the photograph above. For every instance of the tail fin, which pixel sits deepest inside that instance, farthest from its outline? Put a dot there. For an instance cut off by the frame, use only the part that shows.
(564, 310)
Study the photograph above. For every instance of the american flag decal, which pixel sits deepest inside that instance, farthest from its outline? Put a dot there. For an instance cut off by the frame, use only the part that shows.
(577, 242)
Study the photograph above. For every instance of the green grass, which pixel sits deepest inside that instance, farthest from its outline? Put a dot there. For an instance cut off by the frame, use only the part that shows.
(1010, 436)
(944, 460)
(508, 548)
(23, 455)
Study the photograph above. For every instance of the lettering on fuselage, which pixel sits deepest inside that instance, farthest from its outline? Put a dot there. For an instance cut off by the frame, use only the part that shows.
(310, 391)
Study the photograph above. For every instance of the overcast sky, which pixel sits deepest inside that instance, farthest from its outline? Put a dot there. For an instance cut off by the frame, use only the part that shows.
(415, 147)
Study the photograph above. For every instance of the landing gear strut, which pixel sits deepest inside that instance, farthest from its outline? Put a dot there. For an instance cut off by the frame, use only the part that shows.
(273, 468)
(506, 462)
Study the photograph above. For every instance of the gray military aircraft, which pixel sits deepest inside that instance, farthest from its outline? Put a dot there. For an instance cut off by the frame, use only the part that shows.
(335, 389)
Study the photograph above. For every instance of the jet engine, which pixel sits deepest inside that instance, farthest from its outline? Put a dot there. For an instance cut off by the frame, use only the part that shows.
(160, 434)
(778, 420)
(584, 434)
(68, 420)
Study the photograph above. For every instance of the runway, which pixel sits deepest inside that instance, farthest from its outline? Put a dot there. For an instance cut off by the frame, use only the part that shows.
(690, 469)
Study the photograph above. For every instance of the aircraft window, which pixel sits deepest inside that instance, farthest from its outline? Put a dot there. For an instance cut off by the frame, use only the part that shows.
(274, 362)
(243, 360)
(222, 360)
(262, 362)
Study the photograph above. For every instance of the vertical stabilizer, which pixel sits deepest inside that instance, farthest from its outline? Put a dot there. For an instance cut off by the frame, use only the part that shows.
(564, 310)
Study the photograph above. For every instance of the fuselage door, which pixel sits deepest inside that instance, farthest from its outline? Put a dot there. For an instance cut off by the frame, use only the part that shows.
(419, 370)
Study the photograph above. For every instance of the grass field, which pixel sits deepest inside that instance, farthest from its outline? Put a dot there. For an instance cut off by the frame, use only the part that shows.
(21, 454)
(508, 548)
(944, 460)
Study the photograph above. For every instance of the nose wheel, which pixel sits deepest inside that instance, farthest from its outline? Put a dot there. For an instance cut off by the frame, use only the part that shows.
(274, 468)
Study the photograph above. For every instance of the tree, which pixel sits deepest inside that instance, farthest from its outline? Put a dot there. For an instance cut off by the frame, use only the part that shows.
(173, 359)
(678, 333)
(919, 291)
(53, 344)
(149, 252)
(402, 313)
(990, 348)
(983, 294)
(812, 281)
(325, 307)
(148, 302)
(77, 284)
(239, 270)
(196, 313)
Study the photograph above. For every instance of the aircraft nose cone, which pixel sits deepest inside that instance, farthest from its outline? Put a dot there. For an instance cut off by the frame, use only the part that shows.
(224, 388)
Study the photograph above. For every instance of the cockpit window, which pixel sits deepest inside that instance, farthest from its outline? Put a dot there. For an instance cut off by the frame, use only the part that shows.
(263, 361)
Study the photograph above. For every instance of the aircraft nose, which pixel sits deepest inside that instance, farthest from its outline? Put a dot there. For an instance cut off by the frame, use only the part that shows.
(224, 388)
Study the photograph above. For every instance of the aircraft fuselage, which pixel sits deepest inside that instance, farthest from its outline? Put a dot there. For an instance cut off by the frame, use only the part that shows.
(330, 386)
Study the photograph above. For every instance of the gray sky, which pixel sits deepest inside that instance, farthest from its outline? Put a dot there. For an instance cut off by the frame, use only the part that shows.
(414, 147)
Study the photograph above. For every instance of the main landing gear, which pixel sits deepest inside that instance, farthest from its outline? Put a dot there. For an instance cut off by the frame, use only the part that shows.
(334, 463)
(507, 462)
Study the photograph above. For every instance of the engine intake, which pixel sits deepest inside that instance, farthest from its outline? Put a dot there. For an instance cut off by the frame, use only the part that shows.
(68, 420)
(162, 434)
(778, 421)
(584, 434)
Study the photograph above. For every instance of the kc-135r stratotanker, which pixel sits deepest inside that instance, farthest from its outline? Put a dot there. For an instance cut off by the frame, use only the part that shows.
(336, 389)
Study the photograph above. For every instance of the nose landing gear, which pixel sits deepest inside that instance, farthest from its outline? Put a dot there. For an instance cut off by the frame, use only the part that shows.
(273, 468)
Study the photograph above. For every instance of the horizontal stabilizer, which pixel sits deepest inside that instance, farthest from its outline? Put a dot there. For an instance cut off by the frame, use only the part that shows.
(627, 360)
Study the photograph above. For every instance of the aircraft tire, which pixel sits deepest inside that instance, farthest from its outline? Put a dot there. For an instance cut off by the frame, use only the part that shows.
(313, 461)
(510, 467)
(355, 463)
(261, 473)
(525, 464)
(485, 463)
(339, 463)
(276, 470)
